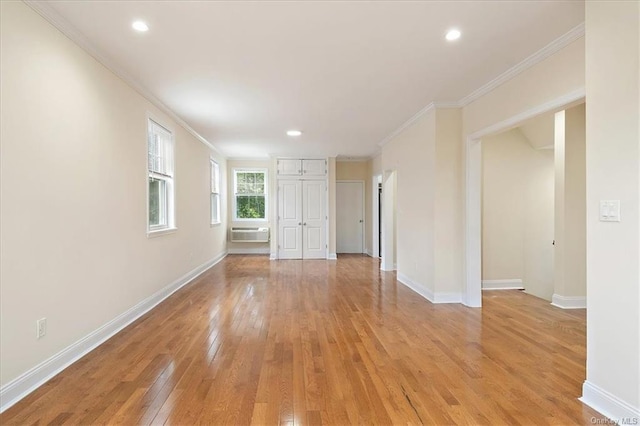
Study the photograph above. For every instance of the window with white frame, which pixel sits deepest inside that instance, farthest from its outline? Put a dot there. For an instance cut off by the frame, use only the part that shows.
(160, 186)
(215, 192)
(250, 194)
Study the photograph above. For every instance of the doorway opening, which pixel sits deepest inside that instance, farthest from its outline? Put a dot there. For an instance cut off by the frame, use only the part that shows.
(472, 292)
(388, 213)
(350, 216)
(376, 222)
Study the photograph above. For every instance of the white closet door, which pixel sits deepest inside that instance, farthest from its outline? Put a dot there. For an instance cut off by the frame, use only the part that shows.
(290, 219)
(313, 219)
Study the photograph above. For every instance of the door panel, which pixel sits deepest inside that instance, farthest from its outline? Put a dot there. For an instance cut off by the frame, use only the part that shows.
(349, 217)
(313, 219)
(289, 219)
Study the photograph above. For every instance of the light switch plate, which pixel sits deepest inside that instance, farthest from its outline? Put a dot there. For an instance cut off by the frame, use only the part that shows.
(609, 210)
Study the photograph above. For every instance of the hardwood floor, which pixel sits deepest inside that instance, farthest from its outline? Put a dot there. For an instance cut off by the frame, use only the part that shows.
(288, 342)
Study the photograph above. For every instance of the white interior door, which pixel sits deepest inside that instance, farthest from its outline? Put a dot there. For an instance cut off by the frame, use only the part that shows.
(290, 219)
(313, 219)
(349, 217)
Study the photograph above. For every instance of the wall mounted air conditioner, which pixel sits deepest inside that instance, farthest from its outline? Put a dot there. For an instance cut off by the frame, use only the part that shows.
(249, 235)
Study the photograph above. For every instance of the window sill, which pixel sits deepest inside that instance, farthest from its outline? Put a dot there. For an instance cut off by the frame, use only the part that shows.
(250, 220)
(160, 232)
(214, 225)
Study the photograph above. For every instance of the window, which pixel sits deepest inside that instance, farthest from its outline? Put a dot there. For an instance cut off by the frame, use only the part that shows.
(215, 193)
(160, 167)
(250, 190)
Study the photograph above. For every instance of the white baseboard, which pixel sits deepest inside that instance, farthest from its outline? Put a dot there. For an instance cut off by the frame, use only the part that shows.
(428, 294)
(249, 250)
(510, 284)
(273, 256)
(332, 256)
(569, 302)
(29, 381)
(422, 291)
(609, 405)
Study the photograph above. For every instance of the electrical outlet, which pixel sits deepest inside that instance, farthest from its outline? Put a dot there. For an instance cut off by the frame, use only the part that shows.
(41, 328)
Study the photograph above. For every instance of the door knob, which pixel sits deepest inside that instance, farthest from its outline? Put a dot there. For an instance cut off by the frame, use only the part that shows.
(299, 223)
(305, 224)
(360, 220)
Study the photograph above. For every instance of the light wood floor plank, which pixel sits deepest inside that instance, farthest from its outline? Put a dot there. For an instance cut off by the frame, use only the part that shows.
(259, 342)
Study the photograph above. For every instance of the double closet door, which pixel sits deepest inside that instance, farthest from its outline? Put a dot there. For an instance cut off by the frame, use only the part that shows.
(302, 219)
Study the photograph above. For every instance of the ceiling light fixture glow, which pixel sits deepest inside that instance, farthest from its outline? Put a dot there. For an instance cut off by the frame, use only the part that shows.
(294, 132)
(453, 34)
(140, 26)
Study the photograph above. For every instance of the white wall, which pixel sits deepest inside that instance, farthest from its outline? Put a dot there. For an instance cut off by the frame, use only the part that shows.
(411, 155)
(570, 209)
(613, 173)
(517, 212)
(73, 188)
(426, 158)
(251, 248)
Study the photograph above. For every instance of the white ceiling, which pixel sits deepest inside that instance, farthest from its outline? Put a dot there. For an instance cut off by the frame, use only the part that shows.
(346, 73)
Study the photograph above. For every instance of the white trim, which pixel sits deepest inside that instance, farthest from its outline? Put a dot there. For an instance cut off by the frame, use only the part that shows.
(422, 291)
(273, 256)
(539, 56)
(472, 294)
(249, 250)
(370, 253)
(407, 123)
(234, 172)
(170, 180)
(428, 294)
(542, 54)
(608, 404)
(375, 216)
(352, 159)
(511, 284)
(162, 231)
(555, 104)
(332, 256)
(62, 24)
(29, 381)
(569, 302)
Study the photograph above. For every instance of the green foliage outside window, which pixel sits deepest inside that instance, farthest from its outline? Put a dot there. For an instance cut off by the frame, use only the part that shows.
(250, 195)
(250, 207)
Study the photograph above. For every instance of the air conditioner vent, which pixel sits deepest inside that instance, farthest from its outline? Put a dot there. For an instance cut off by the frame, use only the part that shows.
(249, 235)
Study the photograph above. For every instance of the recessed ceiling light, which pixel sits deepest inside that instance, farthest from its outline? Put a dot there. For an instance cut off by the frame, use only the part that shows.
(140, 26)
(294, 132)
(453, 34)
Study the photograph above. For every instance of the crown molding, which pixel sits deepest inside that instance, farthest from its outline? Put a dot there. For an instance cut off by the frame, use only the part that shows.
(263, 158)
(407, 123)
(64, 26)
(542, 54)
(351, 159)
